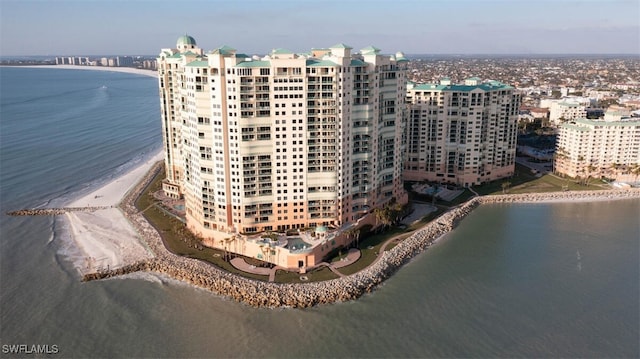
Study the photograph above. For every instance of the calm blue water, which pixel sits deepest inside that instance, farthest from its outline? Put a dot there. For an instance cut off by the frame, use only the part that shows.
(543, 280)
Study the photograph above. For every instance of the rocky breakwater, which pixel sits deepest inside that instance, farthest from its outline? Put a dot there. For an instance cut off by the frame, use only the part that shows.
(417, 243)
(54, 211)
(267, 294)
(563, 196)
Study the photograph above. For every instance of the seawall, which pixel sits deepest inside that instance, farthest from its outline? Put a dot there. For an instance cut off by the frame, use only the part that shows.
(268, 294)
(563, 196)
(54, 211)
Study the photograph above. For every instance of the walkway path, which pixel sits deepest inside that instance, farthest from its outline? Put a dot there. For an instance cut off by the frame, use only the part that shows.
(241, 264)
(352, 256)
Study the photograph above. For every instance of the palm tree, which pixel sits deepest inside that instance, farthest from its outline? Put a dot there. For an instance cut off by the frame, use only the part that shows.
(378, 212)
(396, 212)
(350, 232)
(614, 168)
(635, 171)
(580, 171)
(505, 186)
(590, 169)
(383, 215)
(559, 157)
(353, 232)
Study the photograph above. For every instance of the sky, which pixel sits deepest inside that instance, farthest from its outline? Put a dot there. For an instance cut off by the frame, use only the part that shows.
(144, 27)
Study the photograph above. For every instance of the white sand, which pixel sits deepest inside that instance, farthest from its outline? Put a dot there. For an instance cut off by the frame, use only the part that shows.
(105, 236)
(112, 193)
(130, 70)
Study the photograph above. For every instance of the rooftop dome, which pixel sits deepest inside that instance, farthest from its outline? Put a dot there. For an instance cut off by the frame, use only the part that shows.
(186, 40)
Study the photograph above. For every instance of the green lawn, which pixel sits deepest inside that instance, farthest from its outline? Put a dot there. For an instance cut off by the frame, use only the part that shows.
(369, 249)
(177, 243)
(185, 245)
(317, 275)
(181, 242)
(523, 181)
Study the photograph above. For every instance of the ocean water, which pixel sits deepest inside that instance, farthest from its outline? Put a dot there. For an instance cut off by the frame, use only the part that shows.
(520, 280)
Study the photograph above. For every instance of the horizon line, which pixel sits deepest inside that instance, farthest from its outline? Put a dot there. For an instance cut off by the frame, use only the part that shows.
(406, 54)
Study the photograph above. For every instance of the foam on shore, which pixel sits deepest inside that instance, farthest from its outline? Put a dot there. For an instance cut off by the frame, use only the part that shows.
(105, 237)
(129, 70)
(268, 294)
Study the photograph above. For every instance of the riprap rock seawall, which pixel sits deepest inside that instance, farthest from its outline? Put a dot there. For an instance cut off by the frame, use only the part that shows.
(268, 294)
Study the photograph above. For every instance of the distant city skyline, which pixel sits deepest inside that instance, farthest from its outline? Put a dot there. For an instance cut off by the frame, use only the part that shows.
(30, 27)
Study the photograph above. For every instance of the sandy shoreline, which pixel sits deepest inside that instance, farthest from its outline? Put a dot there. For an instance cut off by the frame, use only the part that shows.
(129, 70)
(118, 240)
(302, 295)
(109, 241)
(105, 236)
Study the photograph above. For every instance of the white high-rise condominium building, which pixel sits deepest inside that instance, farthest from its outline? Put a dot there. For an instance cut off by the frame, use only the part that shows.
(600, 148)
(283, 141)
(563, 111)
(461, 134)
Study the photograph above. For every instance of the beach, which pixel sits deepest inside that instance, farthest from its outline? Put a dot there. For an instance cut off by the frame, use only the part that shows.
(111, 242)
(129, 70)
(105, 236)
(118, 240)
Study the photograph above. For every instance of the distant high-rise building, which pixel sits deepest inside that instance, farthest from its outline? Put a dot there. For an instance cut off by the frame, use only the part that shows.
(149, 64)
(284, 141)
(124, 61)
(461, 134)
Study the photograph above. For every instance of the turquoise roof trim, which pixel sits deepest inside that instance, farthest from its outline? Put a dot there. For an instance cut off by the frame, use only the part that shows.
(254, 64)
(488, 86)
(224, 50)
(356, 62)
(341, 46)
(281, 51)
(586, 122)
(369, 50)
(198, 63)
(316, 63)
(424, 87)
(576, 127)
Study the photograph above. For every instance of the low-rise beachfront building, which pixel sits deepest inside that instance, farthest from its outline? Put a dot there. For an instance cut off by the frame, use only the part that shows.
(461, 134)
(600, 148)
(282, 142)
